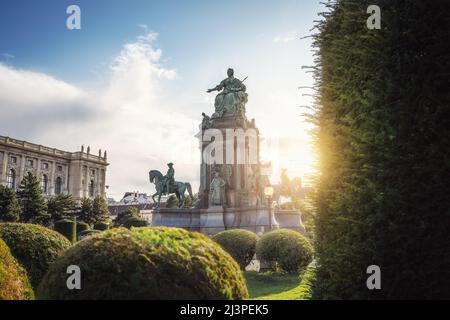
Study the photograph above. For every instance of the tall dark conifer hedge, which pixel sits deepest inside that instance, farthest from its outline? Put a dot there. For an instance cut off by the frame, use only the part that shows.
(383, 116)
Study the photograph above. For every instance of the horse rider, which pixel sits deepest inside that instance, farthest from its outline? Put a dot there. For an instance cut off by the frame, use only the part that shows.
(169, 177)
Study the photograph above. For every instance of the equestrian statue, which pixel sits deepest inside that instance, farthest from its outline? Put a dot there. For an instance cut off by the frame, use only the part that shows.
(166, 185)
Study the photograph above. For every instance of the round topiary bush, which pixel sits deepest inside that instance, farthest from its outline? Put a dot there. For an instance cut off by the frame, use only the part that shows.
(146, 263)
(67, 228)
(14, 283)
(35, 247)
(288, 248)
(82, 226)
(86, 233)
(135, 222)
(239, 243)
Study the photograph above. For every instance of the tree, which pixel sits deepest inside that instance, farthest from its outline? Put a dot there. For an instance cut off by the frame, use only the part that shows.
(100, 210)
(86, 211)
(172, 202)
(34, 206)
(383, 135)
(122, 217)
(61, 206)
(9, 205)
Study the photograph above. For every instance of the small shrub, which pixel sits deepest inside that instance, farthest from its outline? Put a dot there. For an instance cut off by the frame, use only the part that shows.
(239, 243)
(146, 263)
(14, 283)
(35, 247)
(102, 226)
(135, 222)
(67, 228)
(288, 248)
(82, 226)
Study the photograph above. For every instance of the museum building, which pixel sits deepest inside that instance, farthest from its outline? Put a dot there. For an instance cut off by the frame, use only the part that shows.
(80, 173)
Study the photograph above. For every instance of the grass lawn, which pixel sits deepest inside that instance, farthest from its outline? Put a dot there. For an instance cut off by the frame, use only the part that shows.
(273, 286)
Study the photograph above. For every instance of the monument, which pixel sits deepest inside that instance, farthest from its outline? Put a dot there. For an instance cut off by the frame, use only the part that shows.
(232, 178)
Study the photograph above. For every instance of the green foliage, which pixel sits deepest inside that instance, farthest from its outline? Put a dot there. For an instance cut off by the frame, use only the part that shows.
(102, 226)
(100, 210)
(67, 228)
(275, 286)
(383, 137)
(34, 207)
(188, 202)
(9, 205)
(135, 222)
(288, 248)
(14, 283)
(35, 247)
(86, 233)
(94, 211)
(122, 217)
(172, 202)
(82, 226)
(146, 263)
(86, 211)
(61, 206)
(239, 243)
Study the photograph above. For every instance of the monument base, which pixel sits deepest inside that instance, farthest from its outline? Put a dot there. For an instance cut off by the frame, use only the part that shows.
(212, 220)
(215, 219)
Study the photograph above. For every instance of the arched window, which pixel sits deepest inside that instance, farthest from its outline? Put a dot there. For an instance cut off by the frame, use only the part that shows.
(11, 179)
(44, 183)
(91, 189)
(58, 185)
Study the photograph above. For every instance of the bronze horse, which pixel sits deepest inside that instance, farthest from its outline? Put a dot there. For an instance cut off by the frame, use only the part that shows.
(179, 188)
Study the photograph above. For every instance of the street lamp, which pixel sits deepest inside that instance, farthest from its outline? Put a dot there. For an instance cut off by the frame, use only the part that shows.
(268, 192)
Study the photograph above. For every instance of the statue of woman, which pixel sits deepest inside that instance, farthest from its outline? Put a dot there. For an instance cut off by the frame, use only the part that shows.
(216, 190)
(232, 98)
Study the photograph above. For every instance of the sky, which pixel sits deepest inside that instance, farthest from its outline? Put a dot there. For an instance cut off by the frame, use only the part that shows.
(133, 79)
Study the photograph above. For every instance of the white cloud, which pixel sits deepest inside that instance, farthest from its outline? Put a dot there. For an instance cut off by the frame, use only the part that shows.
(131, 116)
(285, 38)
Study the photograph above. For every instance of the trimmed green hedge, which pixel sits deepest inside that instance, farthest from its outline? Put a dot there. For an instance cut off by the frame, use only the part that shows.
(102, 226)
(383, 141)
(67, 228)
(239, 243)
(14, 283)
(135, 222)
(146, 263)
(35, 247)
(288, 248)
(82, 226)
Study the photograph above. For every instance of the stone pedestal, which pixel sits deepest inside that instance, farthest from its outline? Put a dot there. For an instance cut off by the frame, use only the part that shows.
(211, 220)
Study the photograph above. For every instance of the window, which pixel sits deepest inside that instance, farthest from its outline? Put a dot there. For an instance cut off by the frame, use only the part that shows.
(59, 168)
(92, 172)
(11, 179)
(45, 166)
(91, 189)
(58, 185)
(13, 159)
(44, 183)
(30, 163)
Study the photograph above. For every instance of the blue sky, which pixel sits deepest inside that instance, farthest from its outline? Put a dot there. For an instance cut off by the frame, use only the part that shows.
(176, 49)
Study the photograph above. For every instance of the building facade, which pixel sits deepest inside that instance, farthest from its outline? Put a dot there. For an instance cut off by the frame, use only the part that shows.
(80, 173)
